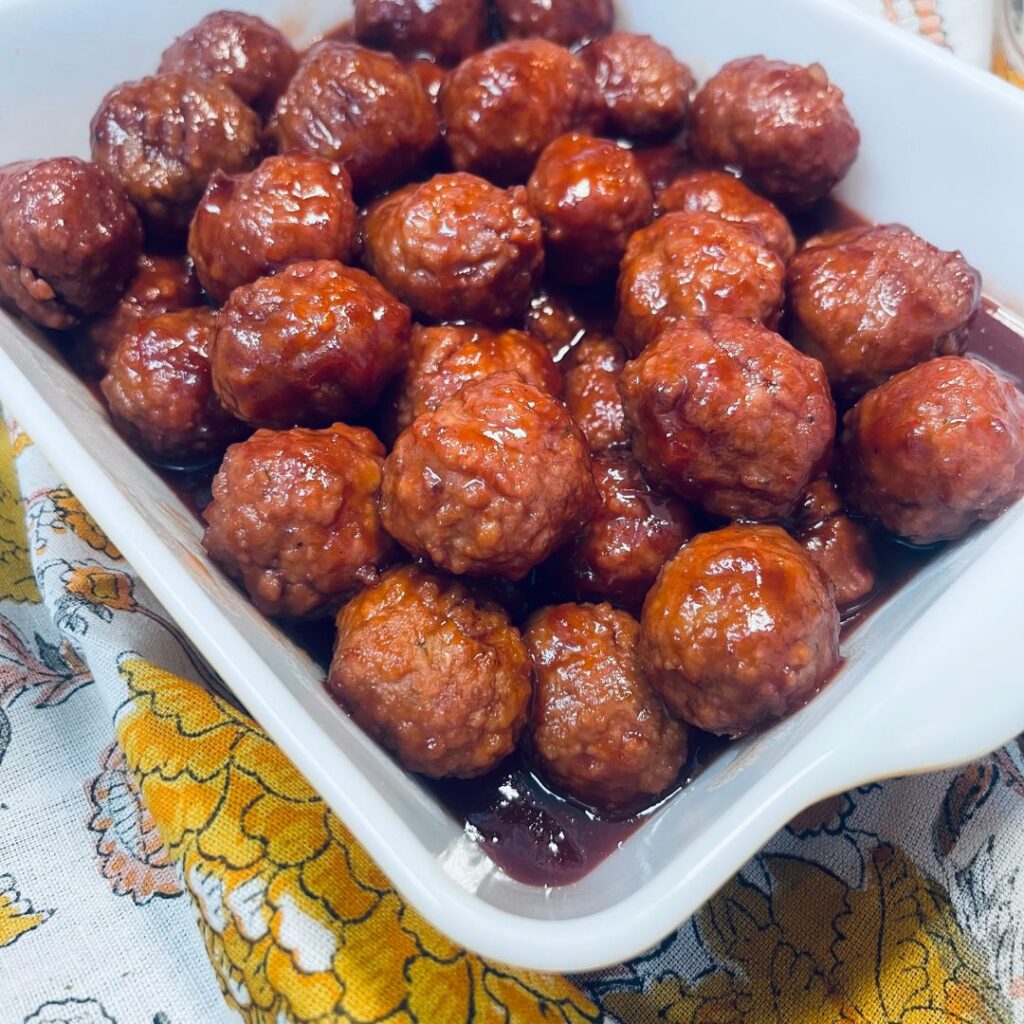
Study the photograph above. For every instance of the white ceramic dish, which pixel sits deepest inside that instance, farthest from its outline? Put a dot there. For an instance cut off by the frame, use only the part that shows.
(932, 679)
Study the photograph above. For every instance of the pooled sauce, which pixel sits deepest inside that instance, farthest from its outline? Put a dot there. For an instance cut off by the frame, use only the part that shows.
(534, 835)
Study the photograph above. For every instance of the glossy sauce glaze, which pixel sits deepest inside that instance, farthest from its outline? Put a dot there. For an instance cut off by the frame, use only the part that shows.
(531, 833)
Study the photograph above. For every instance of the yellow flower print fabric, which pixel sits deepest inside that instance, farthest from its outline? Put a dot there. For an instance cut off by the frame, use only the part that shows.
(161, 861)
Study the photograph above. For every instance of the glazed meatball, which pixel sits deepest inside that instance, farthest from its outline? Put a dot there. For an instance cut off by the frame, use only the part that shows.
(874, 301)
(598, 729)
(444, 30)
(491, 482)
(315, 343)
(553, 320)
(430, 75)
(739, 630)
(785, 126)
(432, 672)
(661, 165)
(693, 265)
(456, 248)
(590, 196)
(238, 50)
(936, 449)
(840, 546)
(501, 107)
(725, 195)
(160, 393)
(294, 517)
(290, 208)
(361, 108)
(731, 416)
(566, 22)
(591, 391)
(69, 240)
(637, 529)
(161, 284)
(163, 137)
(647, 91)
(446, 358)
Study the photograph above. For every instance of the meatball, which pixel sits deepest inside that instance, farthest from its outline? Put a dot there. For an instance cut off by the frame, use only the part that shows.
(237, 50)
(591, 391)
(566, 22)
(647, 91)
(731, 416)
(456, 248)
(160, 392)
(553, 320)
(936, 449)
(446, 358)
(874, 301)
(294, 517)
(840, 546)
(361, 108)
(491, 482)
(637, 529)
(315, 343)
(724, 194)
(445, 30)
(290, 208)
(501, 107)
(69, 240)
(661, 165)
(430, 75)
(785, 126)
(590, 196)
(163, 137)
(598, 729)
(161, 284)
(693, 265)
(432, 672)
(739, 630)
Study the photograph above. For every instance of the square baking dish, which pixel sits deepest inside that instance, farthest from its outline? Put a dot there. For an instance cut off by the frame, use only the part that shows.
(933, 678)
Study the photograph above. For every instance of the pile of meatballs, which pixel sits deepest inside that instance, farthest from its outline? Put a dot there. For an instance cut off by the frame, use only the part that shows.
(364, 277)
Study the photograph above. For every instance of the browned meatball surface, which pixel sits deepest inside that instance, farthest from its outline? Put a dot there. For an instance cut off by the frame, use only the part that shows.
(647, 91)
(69, 240)
(290, 208)
(693, 265)
(591, 391)
(163, 137)
(874, 301)
(238, 50)
(725, 195)
(294, 517)
(637, 529)
(501, 107)
(161, 284)
(739, 630)
(446, 358)
(662, 164)
(566, 22)
(553, 320)
(432, 672)
(491, 482)
(430, 75)
(590, 196)
(315, 343)
(160, 393)
(935, 449)
(598, 730)
(456, 248)
(731, 416)
(445, 30)
(785, 126)
(361, 108)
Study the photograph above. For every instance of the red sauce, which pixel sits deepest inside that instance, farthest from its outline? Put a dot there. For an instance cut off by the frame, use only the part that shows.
(534, 835)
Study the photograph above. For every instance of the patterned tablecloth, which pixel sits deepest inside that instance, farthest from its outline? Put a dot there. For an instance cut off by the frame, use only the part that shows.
(162, 863)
